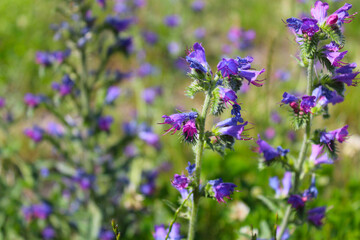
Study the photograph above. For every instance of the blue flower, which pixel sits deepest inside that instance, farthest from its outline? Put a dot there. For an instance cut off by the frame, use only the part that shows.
(316, 215)
(197, 58)
(222, 190)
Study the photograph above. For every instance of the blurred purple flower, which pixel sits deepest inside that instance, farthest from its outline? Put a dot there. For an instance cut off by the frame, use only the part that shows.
(83, 179)
(148, 188)
(55, 129)
(180, 181)
(319, 156)
(150, 37)
(173, 48)
(105, 122)
(102, 3)
(275, 117)
(65, 87)
(150, 138)
(32, 100)
(198, 5)
(35, 133)
(149, 94)
(270, 153)
(106, 234)
(270, 133)
(2, 102)
(172, 20)
(145, 69)
(190, 168)
(160, 232)
(112, 94)
(48, 233)
(119, 24)
(316, 215)
(222, 190)
(200, 33)
(281, 191)
(296, 201)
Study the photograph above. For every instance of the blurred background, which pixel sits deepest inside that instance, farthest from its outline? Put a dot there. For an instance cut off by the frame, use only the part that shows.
(225, 28)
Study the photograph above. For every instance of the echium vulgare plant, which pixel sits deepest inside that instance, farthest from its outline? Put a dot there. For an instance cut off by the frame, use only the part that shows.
(320, 39)
(90, 163)
(220, 90)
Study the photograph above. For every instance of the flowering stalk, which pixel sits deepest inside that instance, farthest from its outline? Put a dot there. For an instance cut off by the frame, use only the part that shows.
(313, 35)
(220, 92)
(199, 148)
(303, 151)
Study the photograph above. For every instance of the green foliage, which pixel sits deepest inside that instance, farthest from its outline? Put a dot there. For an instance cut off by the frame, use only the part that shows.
(194, 87)
(217, 105)
(334, 33)
(308, 47)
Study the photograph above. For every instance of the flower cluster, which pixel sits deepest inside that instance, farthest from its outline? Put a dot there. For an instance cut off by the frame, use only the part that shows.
(320, 39)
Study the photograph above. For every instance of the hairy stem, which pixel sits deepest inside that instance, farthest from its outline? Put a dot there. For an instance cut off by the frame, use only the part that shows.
(198, 155)
(176, 214)
(303, 150)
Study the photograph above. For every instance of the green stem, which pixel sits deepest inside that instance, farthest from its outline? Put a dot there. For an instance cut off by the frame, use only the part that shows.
(198, 155)
(303, 150)
(176, 214)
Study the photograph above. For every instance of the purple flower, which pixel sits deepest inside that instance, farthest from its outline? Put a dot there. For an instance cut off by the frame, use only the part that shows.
(150, 37)
(190, 168)
(198, 5)
(172, 20)
(32, 100)
(130, 151)
(112, 94)
(341, 134)
(200, 33)
(180, 181)
(227, 95)
(55, 129)
(105, 122)
(311, 192)
(173, 48)
(106, 234)
(150, 138)
(160, 232)
(139, 3)
(197, 59)
(35, 133)
(309, 26)
(319, 11)
(235, 131)
(324, 96)
(124, 45)
(65, 87)
(282, 75)
(235, 111)
(270, 133)
(316, 215)
(286, 185)
(148, 188)
(296, 201)
(275, 117)
(102, 3)
(222, 190)
(60, 56)
(48, 233)
(228, 67)
(346, 75)
(2, 102)
(83, 179)
(190, 131)
(227, 122)
(319, 156)
(294, 24)
(178, 120)
(118, 24)
(44, 58)
(342, 14)
(145, 69)
(307, 103)
(149, 94)
(331, 52)
(270, 153)
(37, 211)
(251, 76)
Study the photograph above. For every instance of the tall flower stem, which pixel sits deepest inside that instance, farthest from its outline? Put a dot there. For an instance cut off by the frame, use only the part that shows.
(303, 150)
(199, 148)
